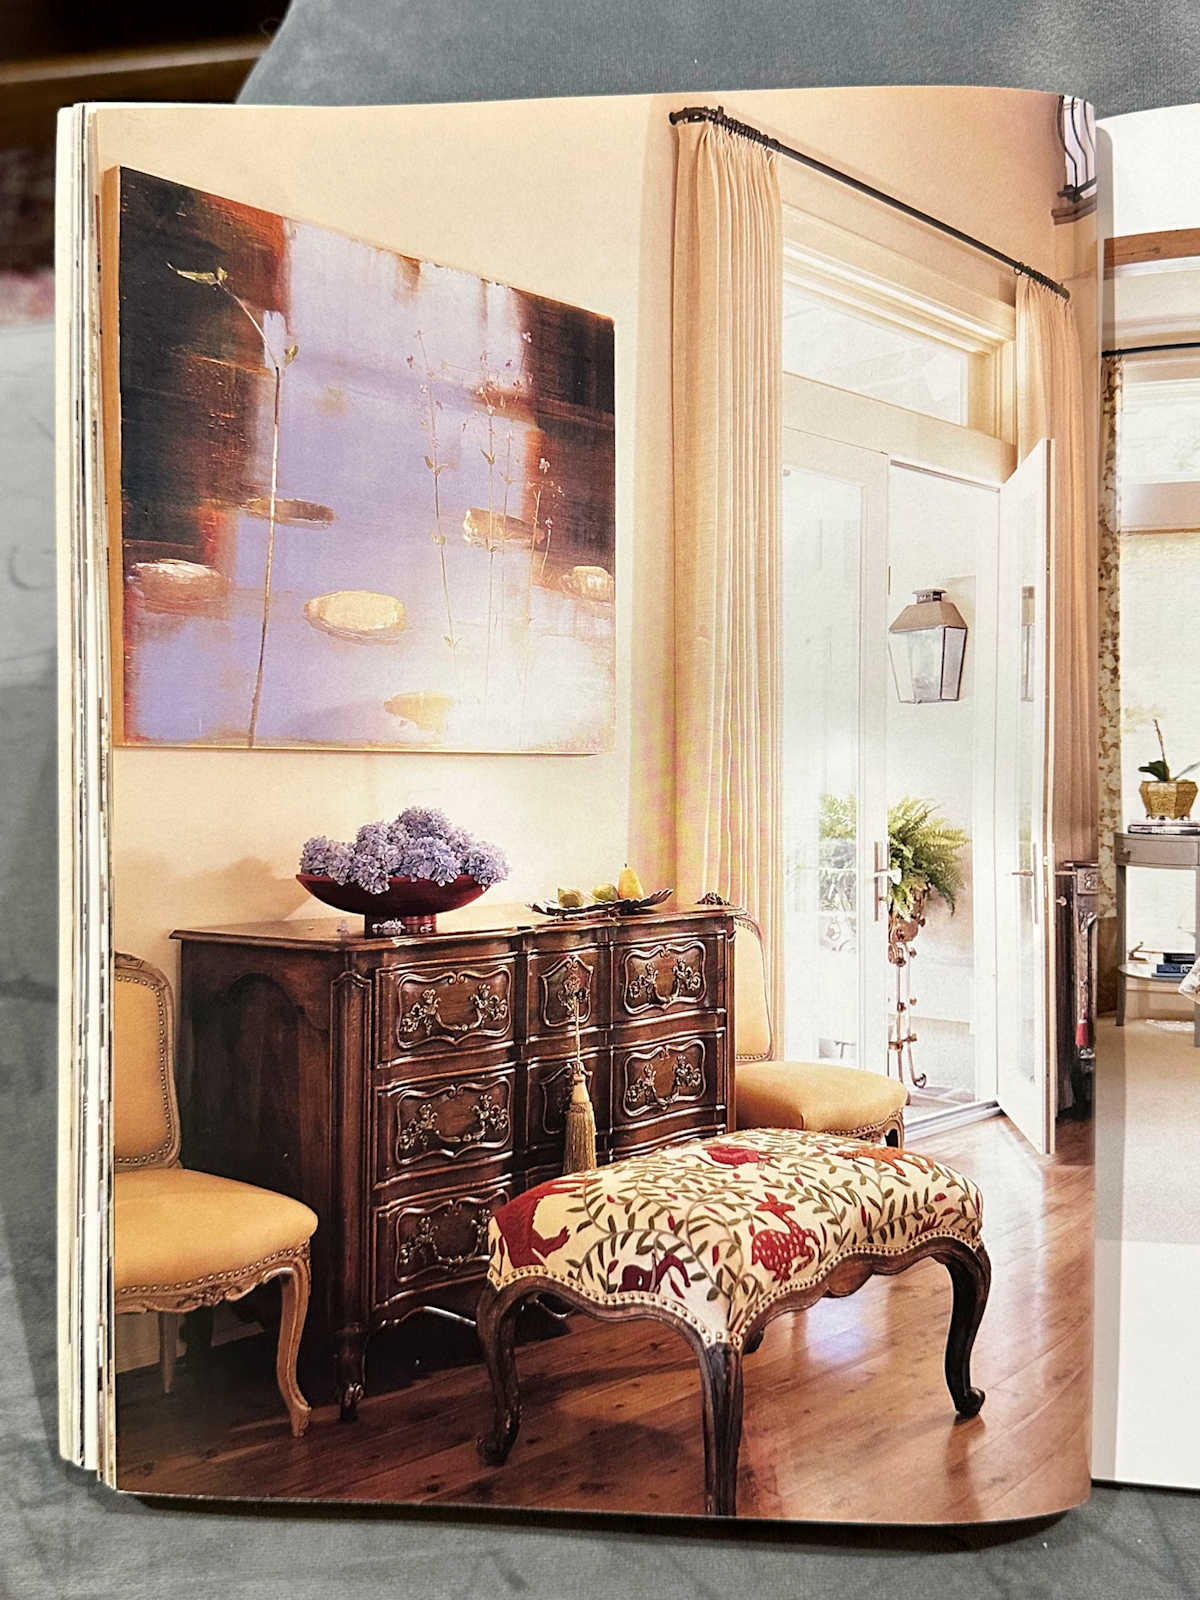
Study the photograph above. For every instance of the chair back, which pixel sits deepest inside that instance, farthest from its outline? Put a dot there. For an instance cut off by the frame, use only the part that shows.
(752, 1017)
(144, 1109)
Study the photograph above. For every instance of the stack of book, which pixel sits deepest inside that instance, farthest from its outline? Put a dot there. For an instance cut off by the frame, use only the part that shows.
(1164, 825)
(1175, 964)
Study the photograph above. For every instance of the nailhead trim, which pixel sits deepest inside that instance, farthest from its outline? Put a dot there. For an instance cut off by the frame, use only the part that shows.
(232, 1275)
(153, 1158)
(682, 1314)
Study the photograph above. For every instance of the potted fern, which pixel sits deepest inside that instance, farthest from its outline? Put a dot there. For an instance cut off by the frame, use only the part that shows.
(922, 861)
(923, 851)
(1164, 795)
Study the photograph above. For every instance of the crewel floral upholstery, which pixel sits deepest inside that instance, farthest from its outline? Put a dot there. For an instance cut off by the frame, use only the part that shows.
(714, 1230)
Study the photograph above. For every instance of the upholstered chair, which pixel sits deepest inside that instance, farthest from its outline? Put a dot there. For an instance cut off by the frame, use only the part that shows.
(820, 1096)
(184, 1239)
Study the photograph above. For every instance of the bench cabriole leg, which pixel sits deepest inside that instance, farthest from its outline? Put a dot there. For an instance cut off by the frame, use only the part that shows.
(495, 1323)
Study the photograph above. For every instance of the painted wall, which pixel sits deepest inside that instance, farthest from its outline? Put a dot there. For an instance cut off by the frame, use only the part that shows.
(203, 837)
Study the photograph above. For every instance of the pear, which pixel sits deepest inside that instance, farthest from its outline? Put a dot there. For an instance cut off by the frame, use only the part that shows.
(569, 899)
(629, 885)
(605, 893)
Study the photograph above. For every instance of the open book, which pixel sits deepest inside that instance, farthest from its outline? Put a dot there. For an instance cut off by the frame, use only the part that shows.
(579, 801)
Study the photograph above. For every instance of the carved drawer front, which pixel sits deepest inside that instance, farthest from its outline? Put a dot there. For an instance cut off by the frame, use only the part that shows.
(440, 1120)
(562, 982)
(671, 975)
(549, 1091)
(426, 1008)
(670, 1076)
(436, 1239)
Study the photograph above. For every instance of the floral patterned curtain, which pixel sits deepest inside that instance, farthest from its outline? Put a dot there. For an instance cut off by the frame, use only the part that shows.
(1109, 688)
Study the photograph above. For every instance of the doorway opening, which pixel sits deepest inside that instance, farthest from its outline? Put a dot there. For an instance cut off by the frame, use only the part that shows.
(900, 478)
(860, 534)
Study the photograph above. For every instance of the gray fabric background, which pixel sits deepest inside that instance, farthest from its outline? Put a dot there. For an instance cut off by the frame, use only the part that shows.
(62, 1535)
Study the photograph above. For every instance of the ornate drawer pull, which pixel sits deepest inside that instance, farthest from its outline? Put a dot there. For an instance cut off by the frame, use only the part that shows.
(423, 1249)
(489, 1010)
(424, 1131)
(644, 990)
(687, 1078)
(574, 992)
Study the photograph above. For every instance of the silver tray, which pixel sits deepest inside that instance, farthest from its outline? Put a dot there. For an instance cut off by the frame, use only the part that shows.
(601, 908)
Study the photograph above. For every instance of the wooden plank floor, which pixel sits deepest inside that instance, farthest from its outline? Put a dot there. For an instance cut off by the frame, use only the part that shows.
(846, 1412)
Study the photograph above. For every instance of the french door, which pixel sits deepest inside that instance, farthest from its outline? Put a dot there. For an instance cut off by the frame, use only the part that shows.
(837, 690)
(834, 665)
(1025, 1079)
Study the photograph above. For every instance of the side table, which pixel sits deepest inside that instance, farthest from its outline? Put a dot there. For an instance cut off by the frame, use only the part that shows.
(1177, 853)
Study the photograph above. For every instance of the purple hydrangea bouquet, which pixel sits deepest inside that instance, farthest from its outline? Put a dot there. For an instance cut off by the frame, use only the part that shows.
(398, 875)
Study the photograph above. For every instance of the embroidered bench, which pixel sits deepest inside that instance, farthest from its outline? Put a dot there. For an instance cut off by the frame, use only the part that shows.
(716, 1238)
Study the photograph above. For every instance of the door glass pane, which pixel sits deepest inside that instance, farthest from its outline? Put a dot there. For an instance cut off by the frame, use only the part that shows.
(939, 757)
(1018, 760)
(873, 356)
(1028, 753)
(822, 549)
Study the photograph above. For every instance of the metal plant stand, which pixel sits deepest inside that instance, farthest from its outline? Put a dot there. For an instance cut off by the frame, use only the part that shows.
(902, 932)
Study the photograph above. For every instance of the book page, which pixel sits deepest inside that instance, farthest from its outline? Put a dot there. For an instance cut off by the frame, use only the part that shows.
(596, 679)
(1147, 1262)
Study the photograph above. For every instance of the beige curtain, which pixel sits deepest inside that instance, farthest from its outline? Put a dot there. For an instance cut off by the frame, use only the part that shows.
(727, 394)
(1050, 405)
(1109, 688)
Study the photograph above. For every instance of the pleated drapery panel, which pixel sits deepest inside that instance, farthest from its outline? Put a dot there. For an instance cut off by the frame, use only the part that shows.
(1109, 591)
(1050, 406)
(727, 401)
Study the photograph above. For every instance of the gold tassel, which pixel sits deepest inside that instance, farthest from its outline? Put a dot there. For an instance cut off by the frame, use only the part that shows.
(579, 1137)
(579, 1134)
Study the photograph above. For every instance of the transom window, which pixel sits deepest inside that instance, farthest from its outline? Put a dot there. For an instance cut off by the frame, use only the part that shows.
(851, 349)
(867, 321)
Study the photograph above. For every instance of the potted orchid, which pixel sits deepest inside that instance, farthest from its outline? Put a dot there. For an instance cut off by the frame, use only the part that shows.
(1164, 795)
(398, 875)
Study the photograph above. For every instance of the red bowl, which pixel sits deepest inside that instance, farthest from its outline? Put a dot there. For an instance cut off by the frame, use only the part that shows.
(415, 902)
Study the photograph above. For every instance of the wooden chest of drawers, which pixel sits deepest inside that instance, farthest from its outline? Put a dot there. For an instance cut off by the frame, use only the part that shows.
(404, 1088)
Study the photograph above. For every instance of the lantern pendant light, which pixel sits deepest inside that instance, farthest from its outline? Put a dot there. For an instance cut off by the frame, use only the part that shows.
(926, 643)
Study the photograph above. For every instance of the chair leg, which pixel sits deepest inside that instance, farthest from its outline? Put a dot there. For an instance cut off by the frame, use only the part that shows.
(294, 1287)
(197, 1331)
(168, 1334)
(971, 1274)
(495, 1323)
(721, 1394)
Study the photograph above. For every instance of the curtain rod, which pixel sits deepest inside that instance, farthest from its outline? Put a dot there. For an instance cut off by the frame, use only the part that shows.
(1151, 349)
(717, 115)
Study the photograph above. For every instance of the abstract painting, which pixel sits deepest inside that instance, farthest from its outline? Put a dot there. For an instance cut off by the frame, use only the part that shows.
(367, 501)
